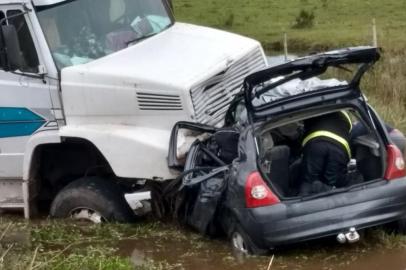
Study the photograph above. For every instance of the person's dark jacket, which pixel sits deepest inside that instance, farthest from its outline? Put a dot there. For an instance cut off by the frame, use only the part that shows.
(325, 159)
(336, 123)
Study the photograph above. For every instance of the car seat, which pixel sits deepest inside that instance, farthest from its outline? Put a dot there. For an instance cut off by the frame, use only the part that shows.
(295, 177)
(278, 158)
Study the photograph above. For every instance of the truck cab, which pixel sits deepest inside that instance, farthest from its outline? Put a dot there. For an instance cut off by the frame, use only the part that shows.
(89, 93)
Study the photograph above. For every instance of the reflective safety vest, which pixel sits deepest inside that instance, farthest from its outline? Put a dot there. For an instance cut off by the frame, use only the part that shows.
(347, 116)
(331, 135)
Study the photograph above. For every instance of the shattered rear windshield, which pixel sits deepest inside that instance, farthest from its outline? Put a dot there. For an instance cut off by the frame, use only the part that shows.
(329, 70)
(294, 87)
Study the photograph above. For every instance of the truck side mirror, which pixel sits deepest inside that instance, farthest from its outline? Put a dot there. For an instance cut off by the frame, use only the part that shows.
(11, 48)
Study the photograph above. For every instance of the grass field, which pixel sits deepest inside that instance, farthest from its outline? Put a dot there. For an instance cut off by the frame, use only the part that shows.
(60, 245)
(336, 23)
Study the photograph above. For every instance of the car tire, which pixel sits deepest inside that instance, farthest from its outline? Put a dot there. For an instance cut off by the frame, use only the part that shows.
(92, 199)
(242, 243)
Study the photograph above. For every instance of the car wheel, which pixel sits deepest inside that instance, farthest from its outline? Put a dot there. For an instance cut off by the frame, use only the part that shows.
(242, 243)
(92, 199)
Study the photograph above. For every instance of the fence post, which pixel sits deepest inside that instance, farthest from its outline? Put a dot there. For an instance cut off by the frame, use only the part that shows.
(374, 33)
(285, 45)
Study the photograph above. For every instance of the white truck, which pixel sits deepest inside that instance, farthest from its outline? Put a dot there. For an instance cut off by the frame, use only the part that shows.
(89, 93)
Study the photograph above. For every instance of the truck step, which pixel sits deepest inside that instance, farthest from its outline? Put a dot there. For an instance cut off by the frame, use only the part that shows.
(12, 205)
(11, 194)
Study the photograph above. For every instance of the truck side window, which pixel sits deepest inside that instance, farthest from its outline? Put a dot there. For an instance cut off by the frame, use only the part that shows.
(26, 43)
(2, 60)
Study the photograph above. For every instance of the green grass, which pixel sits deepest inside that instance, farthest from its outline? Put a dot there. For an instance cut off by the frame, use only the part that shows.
(337, 23)
(65, 245)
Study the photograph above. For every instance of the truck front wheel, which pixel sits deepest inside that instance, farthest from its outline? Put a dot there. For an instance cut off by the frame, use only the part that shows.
(92, 199)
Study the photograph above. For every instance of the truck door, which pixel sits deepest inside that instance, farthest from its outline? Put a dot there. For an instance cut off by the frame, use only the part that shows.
(25, 103)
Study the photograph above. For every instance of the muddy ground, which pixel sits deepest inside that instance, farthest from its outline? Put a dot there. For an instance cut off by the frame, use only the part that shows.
(49, 244)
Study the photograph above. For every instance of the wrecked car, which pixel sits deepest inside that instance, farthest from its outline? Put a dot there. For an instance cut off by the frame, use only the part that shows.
(242, 179)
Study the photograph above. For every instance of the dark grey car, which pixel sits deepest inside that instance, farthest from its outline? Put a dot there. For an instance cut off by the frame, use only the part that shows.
(243, 179)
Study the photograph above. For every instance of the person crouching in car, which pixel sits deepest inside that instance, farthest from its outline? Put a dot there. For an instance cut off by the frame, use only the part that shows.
(326, 152)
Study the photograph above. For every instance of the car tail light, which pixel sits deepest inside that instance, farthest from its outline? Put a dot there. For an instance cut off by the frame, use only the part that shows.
(257, 193)
(395, 163)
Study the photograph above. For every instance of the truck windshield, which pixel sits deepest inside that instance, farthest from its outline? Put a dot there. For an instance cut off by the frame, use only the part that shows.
(80, 31)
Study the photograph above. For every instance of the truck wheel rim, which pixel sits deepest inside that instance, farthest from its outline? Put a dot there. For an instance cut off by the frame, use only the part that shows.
(86, 214)
(238, 243)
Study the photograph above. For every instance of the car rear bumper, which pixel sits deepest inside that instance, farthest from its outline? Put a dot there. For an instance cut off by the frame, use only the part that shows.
(293, 222)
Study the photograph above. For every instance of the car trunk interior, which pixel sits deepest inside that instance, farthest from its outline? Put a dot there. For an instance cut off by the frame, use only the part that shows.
(280, 154)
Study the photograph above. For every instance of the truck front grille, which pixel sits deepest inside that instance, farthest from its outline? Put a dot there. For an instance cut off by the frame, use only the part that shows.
(211, 98)
(159, 102)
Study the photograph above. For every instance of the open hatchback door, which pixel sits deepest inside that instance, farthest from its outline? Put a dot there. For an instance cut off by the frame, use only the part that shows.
(296, 85)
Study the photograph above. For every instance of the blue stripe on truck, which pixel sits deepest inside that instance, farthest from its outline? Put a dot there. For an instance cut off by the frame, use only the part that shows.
(16, 122)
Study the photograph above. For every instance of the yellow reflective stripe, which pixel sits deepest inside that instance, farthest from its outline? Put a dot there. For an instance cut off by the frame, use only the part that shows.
(328, 134)
(348, 118)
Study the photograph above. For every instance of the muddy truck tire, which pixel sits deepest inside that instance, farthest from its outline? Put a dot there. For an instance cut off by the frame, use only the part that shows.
(92, 199)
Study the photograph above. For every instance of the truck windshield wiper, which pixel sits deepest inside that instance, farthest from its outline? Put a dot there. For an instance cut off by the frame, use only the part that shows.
(138, 39)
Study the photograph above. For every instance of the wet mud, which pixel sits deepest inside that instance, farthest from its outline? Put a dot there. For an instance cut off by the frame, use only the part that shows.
(154, 245)
(217, 254)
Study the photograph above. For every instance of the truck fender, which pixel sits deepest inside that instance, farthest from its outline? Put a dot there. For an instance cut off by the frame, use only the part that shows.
(40, 138)
(131, 151)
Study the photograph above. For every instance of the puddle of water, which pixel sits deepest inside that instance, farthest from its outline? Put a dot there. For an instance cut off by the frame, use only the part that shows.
(186, 254)
(378, 260)
(216, 255)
